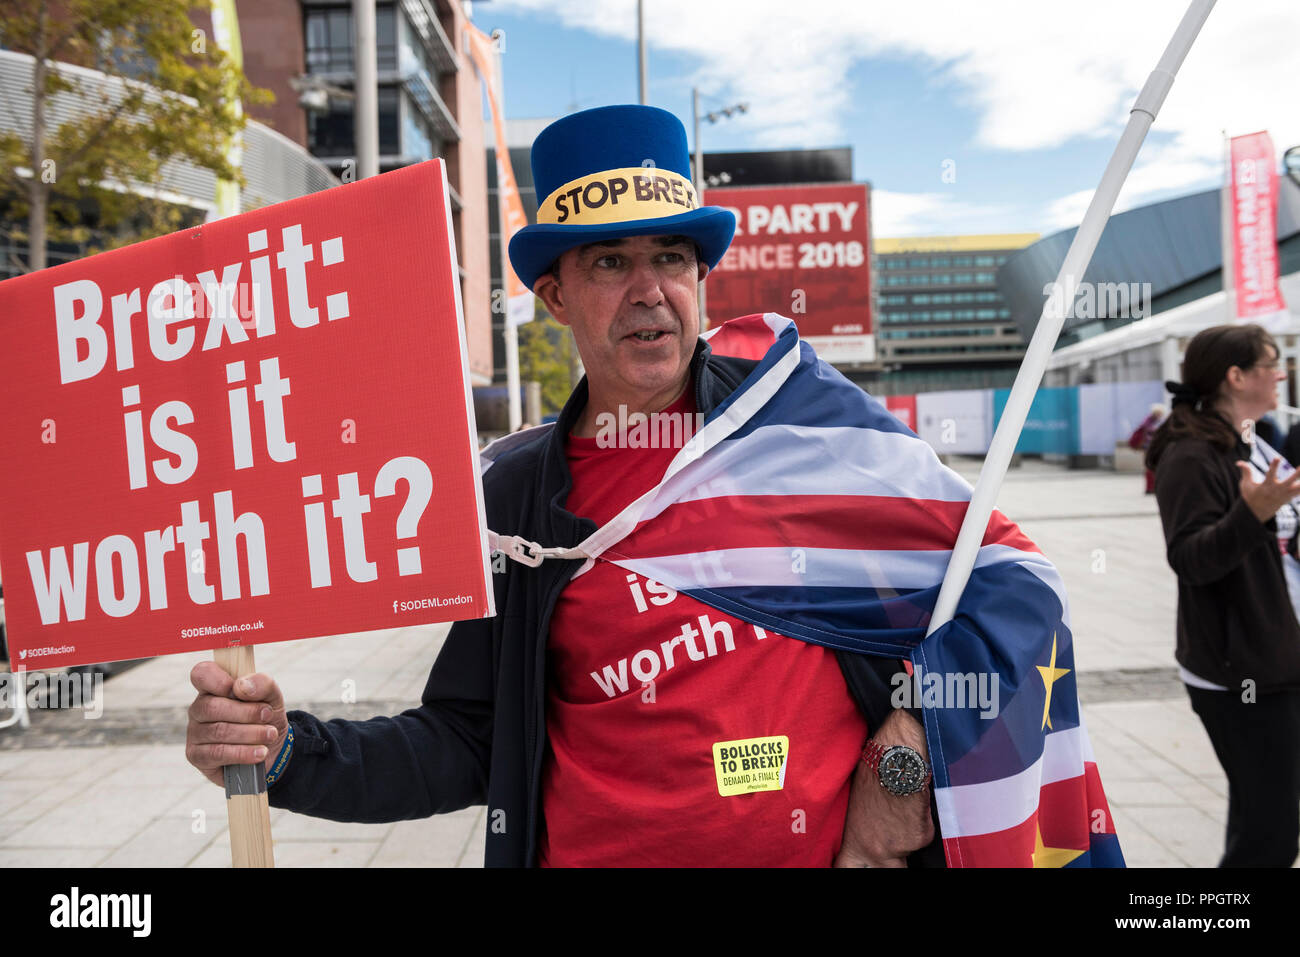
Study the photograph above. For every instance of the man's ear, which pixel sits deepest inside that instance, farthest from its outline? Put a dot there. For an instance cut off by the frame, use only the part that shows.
(701, 271)
(549, 291)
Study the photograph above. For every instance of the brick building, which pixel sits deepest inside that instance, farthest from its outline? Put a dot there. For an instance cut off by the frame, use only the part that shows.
(430, 105)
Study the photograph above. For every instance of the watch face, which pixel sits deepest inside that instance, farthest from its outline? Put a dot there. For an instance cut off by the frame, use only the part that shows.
(902, 771)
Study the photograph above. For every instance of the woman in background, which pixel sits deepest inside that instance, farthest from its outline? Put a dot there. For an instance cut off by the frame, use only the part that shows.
(1230, 528)
(1140, 440)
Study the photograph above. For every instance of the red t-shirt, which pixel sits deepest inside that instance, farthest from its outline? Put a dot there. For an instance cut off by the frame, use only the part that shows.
(656, 703)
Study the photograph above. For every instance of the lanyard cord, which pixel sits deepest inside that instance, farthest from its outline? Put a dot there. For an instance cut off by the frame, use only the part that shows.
(1263, 468)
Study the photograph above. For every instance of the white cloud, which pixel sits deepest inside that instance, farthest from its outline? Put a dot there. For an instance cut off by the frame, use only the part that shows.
(1036, 76)
(1165, 171)
(1068, 210)
(927, 214)
(1037, 73)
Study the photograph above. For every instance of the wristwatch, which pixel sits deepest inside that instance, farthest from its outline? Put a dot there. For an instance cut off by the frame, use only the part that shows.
(901, 770)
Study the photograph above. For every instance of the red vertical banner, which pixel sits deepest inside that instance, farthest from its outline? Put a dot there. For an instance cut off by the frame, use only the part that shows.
(511, 216)
(903, 408)
(253, 430)
(1253, 181)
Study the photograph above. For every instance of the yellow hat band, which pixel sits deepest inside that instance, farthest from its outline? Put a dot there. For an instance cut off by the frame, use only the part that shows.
(619, 196)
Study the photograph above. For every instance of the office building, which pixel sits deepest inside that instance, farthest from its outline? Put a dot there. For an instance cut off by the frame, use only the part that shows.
(942, 323)
(430, 105)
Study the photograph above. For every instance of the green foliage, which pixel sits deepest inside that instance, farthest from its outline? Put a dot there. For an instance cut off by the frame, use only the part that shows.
(547, 354)
(90, 172)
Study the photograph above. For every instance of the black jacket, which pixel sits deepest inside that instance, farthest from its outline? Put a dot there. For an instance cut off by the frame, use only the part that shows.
(1235, 620)
(479, 734)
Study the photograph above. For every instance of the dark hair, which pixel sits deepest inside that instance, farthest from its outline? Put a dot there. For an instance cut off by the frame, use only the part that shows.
(1210, 354)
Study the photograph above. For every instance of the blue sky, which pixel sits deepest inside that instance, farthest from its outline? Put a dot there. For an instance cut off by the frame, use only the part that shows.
(1027, 97)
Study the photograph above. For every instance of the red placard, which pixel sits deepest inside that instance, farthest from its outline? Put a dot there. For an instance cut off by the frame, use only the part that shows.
(253, 430)
(1254, 226)
(803, 252)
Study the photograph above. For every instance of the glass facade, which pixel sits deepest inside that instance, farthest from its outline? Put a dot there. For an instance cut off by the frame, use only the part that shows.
(332, 134)
(405, 134)
(940, 279)
(895, 261)
(328, 34)
(942, 322)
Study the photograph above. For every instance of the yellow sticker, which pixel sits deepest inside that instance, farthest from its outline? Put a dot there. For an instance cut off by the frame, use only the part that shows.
(751, 764)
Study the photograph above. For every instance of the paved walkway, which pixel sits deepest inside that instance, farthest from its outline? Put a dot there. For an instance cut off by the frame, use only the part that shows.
(117, 791)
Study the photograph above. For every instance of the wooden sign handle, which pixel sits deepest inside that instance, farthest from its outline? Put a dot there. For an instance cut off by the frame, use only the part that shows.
(246, 805)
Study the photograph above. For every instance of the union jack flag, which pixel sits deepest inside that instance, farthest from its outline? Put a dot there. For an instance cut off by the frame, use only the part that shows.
(805, 508)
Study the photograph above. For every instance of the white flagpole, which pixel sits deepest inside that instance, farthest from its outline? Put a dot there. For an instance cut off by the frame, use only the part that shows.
(1044, 339)
(1225, 234)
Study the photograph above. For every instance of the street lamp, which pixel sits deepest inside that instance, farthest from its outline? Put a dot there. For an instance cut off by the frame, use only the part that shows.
(713, 117)
(698, 166)
(314, 94)
(640, 52)
(1291, 163)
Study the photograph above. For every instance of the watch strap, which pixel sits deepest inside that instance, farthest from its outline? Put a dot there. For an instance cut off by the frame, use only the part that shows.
(872, 754)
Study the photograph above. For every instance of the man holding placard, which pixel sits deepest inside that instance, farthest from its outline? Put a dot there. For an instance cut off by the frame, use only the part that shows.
(202, 466)
(671, 676)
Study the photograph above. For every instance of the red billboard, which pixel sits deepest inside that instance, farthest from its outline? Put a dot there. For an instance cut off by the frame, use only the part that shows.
(253, 430)
(904, 409)
(803, 252)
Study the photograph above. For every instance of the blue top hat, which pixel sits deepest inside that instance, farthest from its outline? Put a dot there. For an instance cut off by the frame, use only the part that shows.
(611, 172)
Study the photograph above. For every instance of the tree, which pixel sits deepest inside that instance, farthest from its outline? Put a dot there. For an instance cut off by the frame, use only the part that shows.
(547, 355)
(173, 103)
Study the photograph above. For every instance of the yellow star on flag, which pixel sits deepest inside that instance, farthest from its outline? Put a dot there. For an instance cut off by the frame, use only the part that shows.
(1050, 674)
(1051, 856)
